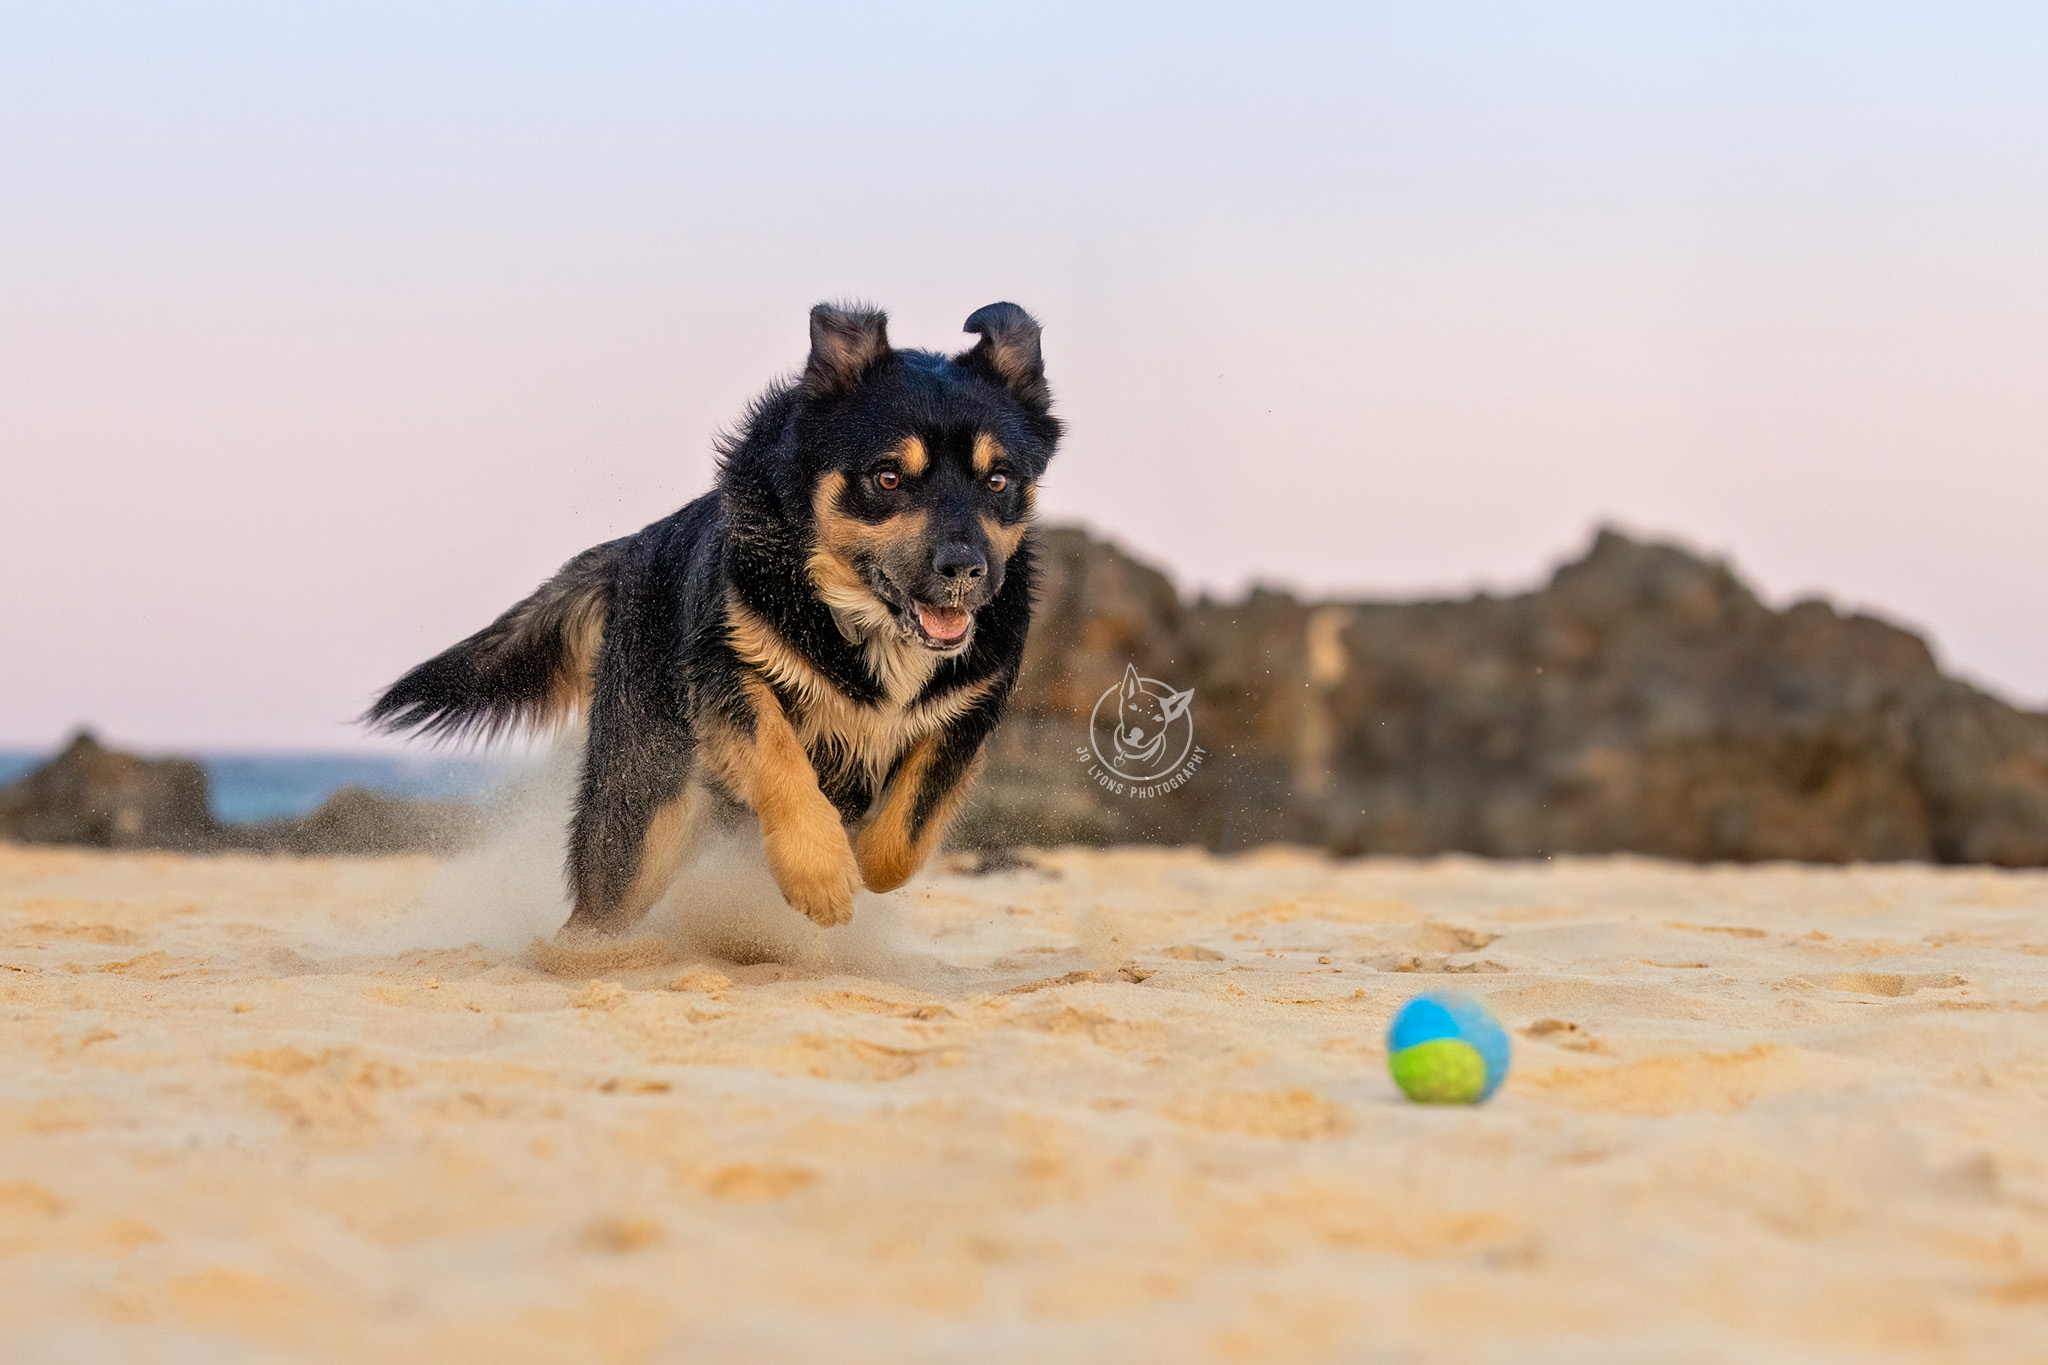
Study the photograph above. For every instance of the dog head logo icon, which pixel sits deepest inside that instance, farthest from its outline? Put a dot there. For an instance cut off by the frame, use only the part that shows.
(1141, 728)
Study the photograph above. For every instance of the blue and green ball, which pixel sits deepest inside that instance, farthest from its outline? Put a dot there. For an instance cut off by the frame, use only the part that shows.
(1446, 1049)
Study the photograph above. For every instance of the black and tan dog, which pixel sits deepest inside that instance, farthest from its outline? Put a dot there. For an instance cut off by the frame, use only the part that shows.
(826, 639)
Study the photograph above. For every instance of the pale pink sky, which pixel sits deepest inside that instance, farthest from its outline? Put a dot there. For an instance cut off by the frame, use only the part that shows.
(322, 340)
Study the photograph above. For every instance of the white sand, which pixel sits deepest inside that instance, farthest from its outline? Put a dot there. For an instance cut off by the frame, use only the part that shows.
(263, 1110)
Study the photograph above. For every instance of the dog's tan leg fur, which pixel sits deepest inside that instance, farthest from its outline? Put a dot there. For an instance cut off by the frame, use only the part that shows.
(889, 853)
(662, 853)
(806, 845)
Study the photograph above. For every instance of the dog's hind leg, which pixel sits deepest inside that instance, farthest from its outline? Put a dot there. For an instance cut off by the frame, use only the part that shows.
(626, 876)
(637, 814)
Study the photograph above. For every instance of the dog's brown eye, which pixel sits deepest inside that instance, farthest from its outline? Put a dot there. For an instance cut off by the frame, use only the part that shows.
(998, 482)
(888, 478)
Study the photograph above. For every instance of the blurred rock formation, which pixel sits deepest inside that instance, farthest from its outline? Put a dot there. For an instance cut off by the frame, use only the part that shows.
(1643, 701)
(99, 798)
(91, 795)
(357, 820)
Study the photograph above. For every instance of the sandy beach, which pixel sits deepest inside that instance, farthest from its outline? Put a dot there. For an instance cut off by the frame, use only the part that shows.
(1107, 1106)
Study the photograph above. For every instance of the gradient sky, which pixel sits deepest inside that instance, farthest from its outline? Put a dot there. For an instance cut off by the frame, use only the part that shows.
(326, 332)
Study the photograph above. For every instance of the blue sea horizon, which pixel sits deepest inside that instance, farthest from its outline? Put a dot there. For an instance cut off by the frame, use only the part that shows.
(246, 787)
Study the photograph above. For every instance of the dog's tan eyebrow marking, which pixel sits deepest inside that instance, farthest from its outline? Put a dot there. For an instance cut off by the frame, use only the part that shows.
(987, 450)
(913, 455)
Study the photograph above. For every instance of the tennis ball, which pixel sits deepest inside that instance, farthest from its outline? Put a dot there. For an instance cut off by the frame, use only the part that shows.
(1446, 1049)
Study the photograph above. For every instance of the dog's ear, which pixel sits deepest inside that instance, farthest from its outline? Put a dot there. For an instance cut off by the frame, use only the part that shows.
(1131, 687)
(845, 343)
(1008, 351)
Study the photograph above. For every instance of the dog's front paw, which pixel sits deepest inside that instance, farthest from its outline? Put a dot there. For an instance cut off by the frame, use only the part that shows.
(887, 857)
(816, 873)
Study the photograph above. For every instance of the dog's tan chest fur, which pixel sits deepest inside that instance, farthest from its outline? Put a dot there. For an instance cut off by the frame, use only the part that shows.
(843, 733)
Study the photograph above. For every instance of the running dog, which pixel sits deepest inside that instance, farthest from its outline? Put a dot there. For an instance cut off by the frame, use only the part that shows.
(825, 640)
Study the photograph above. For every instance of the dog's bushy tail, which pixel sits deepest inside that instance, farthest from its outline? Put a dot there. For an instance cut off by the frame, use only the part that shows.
(528, 670)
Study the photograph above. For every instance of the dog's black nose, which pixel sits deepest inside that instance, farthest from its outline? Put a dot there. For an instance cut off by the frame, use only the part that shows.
(960, 561)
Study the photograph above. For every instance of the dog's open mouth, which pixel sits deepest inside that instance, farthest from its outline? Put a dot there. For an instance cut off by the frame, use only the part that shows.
(935, 627)
(942, 626)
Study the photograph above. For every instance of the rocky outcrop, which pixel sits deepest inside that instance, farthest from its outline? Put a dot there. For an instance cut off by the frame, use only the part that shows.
(356, 821)
(94, 796)
(1644, 700)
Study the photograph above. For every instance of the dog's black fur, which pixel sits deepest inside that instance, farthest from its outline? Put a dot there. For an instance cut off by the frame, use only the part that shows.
(826, 639)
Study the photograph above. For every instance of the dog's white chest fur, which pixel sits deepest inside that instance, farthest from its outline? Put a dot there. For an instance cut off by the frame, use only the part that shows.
(901, 666)
(873, 737)
(839, 730)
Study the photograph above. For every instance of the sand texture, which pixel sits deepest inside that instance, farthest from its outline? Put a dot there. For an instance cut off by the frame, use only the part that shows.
(1116, 1106)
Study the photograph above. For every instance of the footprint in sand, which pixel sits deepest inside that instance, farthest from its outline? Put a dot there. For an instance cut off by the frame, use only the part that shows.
(1657, 1087)
(1449, 939)
(1565, 1034)
(1893, 984)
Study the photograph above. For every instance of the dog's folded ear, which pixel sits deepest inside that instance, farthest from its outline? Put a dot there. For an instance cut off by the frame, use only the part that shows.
(845, 343)
(1008, 351)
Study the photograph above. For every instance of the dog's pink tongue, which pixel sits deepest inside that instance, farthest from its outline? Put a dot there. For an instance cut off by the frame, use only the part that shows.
(942, 623)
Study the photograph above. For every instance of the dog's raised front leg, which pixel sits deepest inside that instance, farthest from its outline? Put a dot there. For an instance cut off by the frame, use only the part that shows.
(922, 796)
(800, 830)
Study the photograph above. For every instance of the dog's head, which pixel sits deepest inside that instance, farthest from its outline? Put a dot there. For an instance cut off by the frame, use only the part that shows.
(921, 469)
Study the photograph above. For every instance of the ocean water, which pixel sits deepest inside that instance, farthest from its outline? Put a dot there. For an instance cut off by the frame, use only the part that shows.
(245, 787)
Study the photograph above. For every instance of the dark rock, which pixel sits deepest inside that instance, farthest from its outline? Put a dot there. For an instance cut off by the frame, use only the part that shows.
(356, 821)
(1644, 701)
(93, 796)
